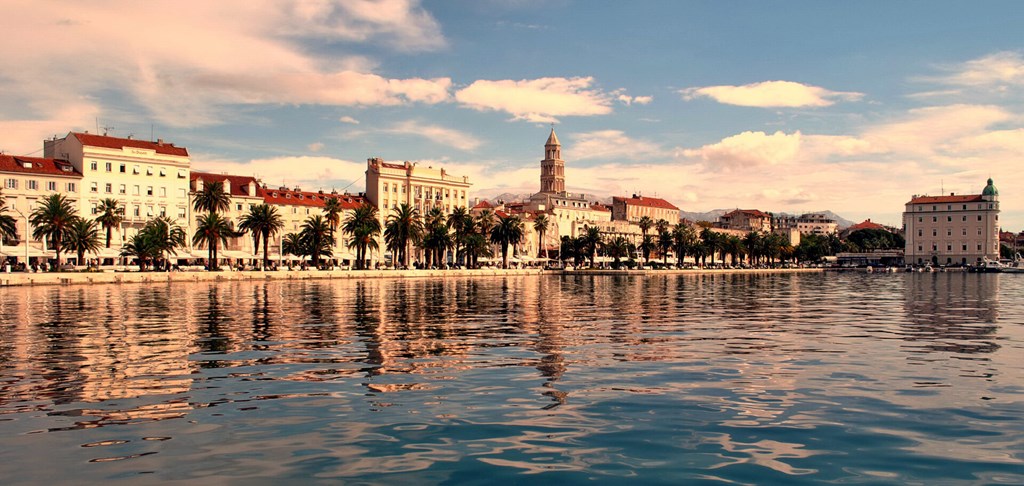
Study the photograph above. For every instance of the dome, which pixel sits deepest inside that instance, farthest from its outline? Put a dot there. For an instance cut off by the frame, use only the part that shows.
(990, 190)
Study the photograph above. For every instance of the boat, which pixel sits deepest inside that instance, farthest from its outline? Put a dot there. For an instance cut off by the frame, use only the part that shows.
(989, 266)
(1016, 266)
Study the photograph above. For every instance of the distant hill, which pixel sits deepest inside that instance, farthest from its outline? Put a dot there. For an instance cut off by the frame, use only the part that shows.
(512, 197)
(714, 214)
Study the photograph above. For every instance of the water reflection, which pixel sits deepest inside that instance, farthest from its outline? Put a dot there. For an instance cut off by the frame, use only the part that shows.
(700, 377)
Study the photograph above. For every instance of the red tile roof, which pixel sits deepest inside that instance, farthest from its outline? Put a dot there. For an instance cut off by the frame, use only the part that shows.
(237, 183)
(288, 197)
(483, 205)
(866, 224)
(748, 212)
(37, 165)
(946, 199)
(600, 207)
(651, 202)
(105, 141)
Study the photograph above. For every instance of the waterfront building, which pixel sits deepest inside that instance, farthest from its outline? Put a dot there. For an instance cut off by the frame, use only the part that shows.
(26, 180)
(746, 220)
(631, 209)
(571, 212)
(148, 179)
(244, 193)
(953, 229)
(808, 224)
(296, 206)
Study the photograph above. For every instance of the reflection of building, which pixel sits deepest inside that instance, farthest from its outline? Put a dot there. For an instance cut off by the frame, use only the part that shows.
(746, 220)
(953, 229)
(26, 180)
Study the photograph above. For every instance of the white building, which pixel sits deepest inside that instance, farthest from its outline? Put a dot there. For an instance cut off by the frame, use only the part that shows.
(26, 180)
(953, 229)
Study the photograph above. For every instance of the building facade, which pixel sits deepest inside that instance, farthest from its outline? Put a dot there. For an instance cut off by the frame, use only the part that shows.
(148, 179)
(808, 224)
(953, 229)
(27, 180)
(747, 220)
(631, 209)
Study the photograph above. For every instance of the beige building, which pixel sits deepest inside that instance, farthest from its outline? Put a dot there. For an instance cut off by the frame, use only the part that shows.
(424, 188)
(808, 224)
(953, 229)
(149, 179)
(746, 220)
(633, 208)
(26, 180)
(570, 212)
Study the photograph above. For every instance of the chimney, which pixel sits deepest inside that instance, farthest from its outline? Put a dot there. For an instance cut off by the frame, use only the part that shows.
(227, 186)
(160, 142)
(252, 189)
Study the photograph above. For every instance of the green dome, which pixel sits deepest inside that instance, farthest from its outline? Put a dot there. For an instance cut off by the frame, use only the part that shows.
(990, 190)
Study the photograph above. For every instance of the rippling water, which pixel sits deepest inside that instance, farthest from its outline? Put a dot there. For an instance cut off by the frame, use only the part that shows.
(786, 378)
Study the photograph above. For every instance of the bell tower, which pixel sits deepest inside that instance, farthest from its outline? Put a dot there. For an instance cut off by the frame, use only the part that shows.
(552, 168)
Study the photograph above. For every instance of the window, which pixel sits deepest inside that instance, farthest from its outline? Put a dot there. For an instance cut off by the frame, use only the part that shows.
(979, 217)
(32, 185)
(109, 188)
(181, 193)
(135, 170)
(121, 189)
(964, 232)
(94, 165)
(935, 219)
(920, 248)
(149, 211)
(137, 209)
(135, 190)
(11, 183)
(935, 233)
(238, 207)
(949, 219)
(149, 190)
(109, 166)
(181, 213)
(93, 187)
(964, 248)
(920, 219)
(963, 218)
(51, 186)
(965, 207)
(949, 232)
(163, 172)
(979, 247)
(919, 232)
(93, 209)
(149, 170)
(122, 168)
(71, 187)
(949, 207)
(385, 187)
(181, 173)
(163, 192)
(163, 211)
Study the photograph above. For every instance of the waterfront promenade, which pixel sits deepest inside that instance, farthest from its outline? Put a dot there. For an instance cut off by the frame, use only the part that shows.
(83, 278)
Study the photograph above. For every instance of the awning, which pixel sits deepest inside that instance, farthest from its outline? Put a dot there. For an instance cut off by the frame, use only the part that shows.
(19, 252)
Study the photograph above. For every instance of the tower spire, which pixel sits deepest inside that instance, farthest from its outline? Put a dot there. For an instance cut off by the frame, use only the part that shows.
(552, 168)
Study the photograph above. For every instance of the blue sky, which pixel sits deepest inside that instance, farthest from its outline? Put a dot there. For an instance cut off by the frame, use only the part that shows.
(780, 106)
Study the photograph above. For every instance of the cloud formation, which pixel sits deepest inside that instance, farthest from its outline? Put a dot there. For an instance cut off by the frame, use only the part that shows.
(1000, 68)
(771, 94)
(537, 100)
(610, 145)
(435, 133)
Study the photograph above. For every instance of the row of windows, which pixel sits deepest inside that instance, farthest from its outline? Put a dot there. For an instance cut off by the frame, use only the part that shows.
(123, 168)
(33, 185)
(949, 232)
(949, 207)
(949, 219)
(122, 189)
(137, 211)
(949, 247)
(431, 193)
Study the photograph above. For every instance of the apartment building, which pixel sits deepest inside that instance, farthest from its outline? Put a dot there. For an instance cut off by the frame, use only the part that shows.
(953, 229)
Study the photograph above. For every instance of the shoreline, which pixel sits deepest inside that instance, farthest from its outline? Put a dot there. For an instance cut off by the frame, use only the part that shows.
(107, 278)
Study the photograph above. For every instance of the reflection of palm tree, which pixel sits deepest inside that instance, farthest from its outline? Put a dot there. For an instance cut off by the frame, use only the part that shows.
(110, 216)
(83, 236)
(508, 231)
(52, 220)
(403, 227)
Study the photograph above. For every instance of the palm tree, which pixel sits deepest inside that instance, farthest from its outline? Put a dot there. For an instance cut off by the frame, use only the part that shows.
(291, 244)
(484, 222)
(159, 237)
(540, 225)
(665, 244)
(212, 198)
(140, 246)
(83, 236)
(508, 231)
(332, 211)
(212, 228)
(403, 227)
(363, 227)
(753, 243)
(648, 245)
(436, 242)
(683, 239)
(52, 220)
(733, 246)
(645, 225)
(662, 225)
(8, 225)
(461, 222)
(712, 241)
(476, 246)
(263, 221)
(316, 237)
(618, 248)
(591, 241)
(110, 216)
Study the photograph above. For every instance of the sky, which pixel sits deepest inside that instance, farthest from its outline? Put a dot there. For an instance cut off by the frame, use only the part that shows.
(790, 106)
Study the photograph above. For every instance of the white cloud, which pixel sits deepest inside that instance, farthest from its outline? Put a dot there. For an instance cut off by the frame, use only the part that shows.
(611, 144)
(349, 120)
(311, 173)
(203, 58)
(629, 100)
(315, 146)
(750, 149)
(537, 100)
(932, 130)
(437, 134)
(771, 94)
(1000, 68)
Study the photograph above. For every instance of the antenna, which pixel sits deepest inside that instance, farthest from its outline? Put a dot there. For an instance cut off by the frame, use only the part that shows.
(106, 129)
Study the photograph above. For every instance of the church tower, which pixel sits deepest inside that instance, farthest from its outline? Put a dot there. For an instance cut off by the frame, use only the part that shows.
(552, 168)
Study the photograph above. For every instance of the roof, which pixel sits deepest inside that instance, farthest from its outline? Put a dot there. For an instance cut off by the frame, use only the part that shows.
(237, 186)
(600, 207)
(866, 224)
(749, 212)
(105, 141)
(946, 199)
(483, 205)
(651, 202)
(288, 197)
(990, 189)
(552, 139)
(37, 165)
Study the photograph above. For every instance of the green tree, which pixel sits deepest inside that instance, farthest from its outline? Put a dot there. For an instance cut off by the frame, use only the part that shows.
(332, 211)
(8, 225)
(291, 244)
(211, 229)
(645, 223)
(508, 231)
(732, 245)
(617, 248)
(461, 222)
(403, 227)
(665, 244)
(111, 214)
(712, 241)
(52, 220)
(476, 246)
(363, 227)
(212, 199)
(683, 240)
(484, 223)
(591, 242)
(648, 245)
(541, 224)
(316, 238)
(263, 222)
(157, 239)
(83, 236)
